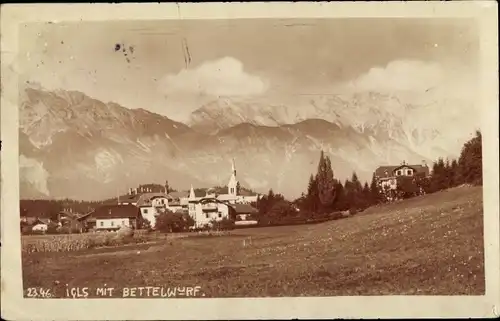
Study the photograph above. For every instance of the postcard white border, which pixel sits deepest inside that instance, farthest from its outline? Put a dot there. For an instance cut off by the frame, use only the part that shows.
(14, 306)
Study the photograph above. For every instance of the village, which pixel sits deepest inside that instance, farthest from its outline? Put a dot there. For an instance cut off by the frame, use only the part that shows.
(141, 206)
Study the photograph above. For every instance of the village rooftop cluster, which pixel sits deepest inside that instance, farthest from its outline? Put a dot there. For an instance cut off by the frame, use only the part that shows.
(143, 205)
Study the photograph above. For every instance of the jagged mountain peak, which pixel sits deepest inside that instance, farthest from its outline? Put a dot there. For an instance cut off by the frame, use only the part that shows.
(77, 146)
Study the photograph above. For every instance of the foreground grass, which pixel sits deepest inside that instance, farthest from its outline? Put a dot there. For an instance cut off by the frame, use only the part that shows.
(84, 241)
(430, 245)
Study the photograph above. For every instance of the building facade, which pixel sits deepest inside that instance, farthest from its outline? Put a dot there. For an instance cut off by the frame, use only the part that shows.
(113, 217)
(216, 207)
(387, 176)
(203, 208)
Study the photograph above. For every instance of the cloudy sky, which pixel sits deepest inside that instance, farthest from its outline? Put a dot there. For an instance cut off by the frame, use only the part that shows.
(174, 67)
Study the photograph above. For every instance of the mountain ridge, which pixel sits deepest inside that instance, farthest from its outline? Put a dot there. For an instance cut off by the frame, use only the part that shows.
(77, 146)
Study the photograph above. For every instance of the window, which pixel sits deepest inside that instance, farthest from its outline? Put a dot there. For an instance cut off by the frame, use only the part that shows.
(398, 173)
(220, 215)
(206, 215)
(112, 223)
(409, 172)
(102, 223)
(145, 211)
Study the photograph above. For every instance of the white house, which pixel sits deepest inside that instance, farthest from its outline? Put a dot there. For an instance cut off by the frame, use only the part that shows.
(112, 217)
(153, 204)
(41, 225)
(206, 210)
(213, 206)
(387, 176)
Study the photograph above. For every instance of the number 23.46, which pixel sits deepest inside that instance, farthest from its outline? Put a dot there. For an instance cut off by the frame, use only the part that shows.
(38, 293)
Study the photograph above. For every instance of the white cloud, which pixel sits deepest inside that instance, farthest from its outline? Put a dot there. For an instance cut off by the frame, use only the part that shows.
(223, 77)
(401, 75)
(418, 82)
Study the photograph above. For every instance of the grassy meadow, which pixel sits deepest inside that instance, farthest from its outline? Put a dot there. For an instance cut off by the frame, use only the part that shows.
(428, 245)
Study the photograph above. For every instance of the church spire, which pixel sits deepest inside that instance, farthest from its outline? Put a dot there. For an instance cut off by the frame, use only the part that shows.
(191, 192)
(233, 182)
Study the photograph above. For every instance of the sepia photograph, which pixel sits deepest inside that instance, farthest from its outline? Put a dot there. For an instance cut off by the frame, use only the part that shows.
(265, 157)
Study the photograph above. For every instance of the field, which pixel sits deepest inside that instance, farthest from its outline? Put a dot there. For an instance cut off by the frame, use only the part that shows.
(429, 245)
(77, 242)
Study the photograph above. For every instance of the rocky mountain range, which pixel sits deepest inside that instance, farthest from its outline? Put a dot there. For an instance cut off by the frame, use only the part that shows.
(74, 146)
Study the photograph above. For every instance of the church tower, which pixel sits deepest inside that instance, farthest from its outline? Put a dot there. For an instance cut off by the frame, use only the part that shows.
(192, 196)
(232, 186)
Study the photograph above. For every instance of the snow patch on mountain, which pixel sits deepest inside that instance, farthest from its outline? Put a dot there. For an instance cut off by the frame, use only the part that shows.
(106, 160)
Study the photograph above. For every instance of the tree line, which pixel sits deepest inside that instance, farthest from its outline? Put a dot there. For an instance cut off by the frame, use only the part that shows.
(327, 196)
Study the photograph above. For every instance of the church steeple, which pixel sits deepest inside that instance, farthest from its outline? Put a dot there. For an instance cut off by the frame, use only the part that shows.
(191, 193)
(232, 186)
(233, 168)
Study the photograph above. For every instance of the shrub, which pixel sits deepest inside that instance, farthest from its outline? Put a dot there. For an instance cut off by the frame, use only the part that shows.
(281, 212)
(407, 187)
(64, 230)
(222, 225)
(26, 229)
(52, 228)
(146, 224)
(125, 231)
(173, 222)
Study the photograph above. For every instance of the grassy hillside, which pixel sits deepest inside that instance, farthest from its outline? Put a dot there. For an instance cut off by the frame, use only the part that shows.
(429, 245)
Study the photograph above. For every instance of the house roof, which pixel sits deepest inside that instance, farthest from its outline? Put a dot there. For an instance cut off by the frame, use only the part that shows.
(181, 194)
(116, 211)
(200, 193)
(146, 198)
(243, 209)
(388, 171)
(29, 219)
(419, 169)
(67, 213)
(130, 198)
(70, 215)
(244, 192)
(42, 221)
(83, 216)
(224, 197)
(385, 171)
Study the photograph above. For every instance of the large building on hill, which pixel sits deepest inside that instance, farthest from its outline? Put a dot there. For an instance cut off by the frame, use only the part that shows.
(387, 176)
